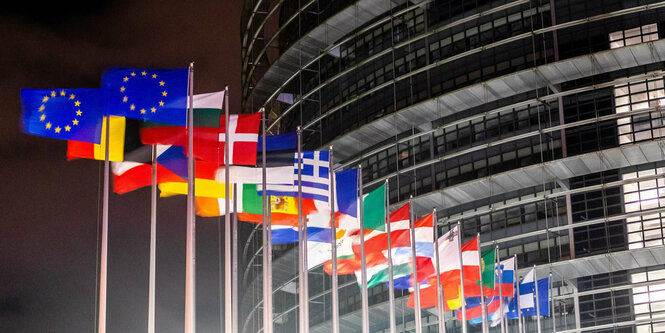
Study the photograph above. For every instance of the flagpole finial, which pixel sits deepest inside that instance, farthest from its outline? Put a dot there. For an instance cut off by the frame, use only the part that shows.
(191, 64)
(226, 87)
(298, 128)
(330, 147)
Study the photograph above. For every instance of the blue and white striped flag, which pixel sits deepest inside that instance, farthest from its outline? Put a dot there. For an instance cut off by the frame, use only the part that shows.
(314, 174)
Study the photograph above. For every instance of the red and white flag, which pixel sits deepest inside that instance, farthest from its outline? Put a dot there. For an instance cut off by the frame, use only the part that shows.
(243, 138)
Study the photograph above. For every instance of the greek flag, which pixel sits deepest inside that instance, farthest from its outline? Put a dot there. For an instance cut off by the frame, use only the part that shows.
(314, 176)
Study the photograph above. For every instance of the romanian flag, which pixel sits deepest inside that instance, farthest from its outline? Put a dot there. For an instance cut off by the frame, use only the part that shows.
(118, 129)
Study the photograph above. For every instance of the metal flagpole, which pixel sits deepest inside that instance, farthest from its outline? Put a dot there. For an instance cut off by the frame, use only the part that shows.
(103, 274)
(267, 246)
(517, 295)
(535, 287)
(302, 247)
(500, 271)
(153, 243)
(482, 292)
(391, 278)
(333, 245)
(363, 260)
(416, 283)
(439, 290)
(228, 293)
(234, 260)
(461, 276)
(552, 301)
(190, 271)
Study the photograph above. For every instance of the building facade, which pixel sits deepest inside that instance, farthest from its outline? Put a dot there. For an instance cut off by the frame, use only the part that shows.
(537, 123)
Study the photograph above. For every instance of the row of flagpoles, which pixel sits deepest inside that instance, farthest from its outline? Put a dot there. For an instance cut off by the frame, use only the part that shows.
(364, 238)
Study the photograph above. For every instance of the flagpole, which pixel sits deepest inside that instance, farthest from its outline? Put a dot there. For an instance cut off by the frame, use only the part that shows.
(552, 301)
(517, 293)
(461, 276)
(190, 271)
(103, 274)
(333, 245)
(535, 285)
(234, 260)
(267, 246)
(391, 278)
(153, 243)
(500, 269)
(302, 246)
(482, 292)
(416, 282)
(363, 260)
(228, 289)
(439, 290)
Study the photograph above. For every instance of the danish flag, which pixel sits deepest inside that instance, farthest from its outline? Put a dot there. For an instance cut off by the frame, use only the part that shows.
(243, 138)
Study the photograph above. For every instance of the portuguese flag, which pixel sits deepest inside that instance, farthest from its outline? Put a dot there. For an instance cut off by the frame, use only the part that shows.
(207, 113)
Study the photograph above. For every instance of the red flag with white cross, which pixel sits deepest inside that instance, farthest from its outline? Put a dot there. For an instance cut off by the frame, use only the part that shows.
(243, 138)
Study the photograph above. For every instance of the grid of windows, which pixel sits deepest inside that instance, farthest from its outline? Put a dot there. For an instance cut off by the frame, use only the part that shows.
(649, 301)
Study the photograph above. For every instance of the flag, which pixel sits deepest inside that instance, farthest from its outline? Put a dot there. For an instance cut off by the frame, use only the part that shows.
(474, 310)
(207, 110)
(147, 94)
(97, 151)
(243, 138)
(136, 169)
(401, 251)
(313, 173)
(346, 219)
(507, 282)
(449, 266)
(527, 297)
(67, 114)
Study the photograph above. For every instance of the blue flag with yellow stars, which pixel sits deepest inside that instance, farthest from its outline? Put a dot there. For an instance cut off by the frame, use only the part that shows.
(68, 114)
(151, 95)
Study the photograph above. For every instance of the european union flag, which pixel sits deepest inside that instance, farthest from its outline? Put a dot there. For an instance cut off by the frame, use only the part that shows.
(68, 114)
(152, 95)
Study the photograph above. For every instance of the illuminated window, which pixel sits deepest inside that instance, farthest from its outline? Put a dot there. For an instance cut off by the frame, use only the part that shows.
(649, 301)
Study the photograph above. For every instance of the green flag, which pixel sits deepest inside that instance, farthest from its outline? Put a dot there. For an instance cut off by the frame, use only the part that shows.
(374, 209)
(487, 266)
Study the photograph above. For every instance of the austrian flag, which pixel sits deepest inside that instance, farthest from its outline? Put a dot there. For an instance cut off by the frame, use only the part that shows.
(243, 138)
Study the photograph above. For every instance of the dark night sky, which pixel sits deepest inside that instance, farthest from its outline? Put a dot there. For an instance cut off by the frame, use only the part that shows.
(51, 208)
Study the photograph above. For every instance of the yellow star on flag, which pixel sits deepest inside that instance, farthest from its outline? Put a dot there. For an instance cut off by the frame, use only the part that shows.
(41, 108)
(132, 107)
(78, 113)
(52, 93)
(143, 73)
(77, 103)
(62, 93)
(124, 99)
(45, 99)
(142, 111)
(164, 93)
(122, 89)
(67, 128)
(161, 103)
(125, 79)
(42, 117)
(133, 74)
(75, 121)
(48, 125)
(57, 129)
(153, 110)
(154, 76)
(72, 96)
(161, 83)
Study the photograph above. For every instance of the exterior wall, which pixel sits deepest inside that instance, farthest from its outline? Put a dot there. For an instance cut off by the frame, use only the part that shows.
(402, 67)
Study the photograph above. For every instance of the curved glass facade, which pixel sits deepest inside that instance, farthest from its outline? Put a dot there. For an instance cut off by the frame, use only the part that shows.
(538, 124)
